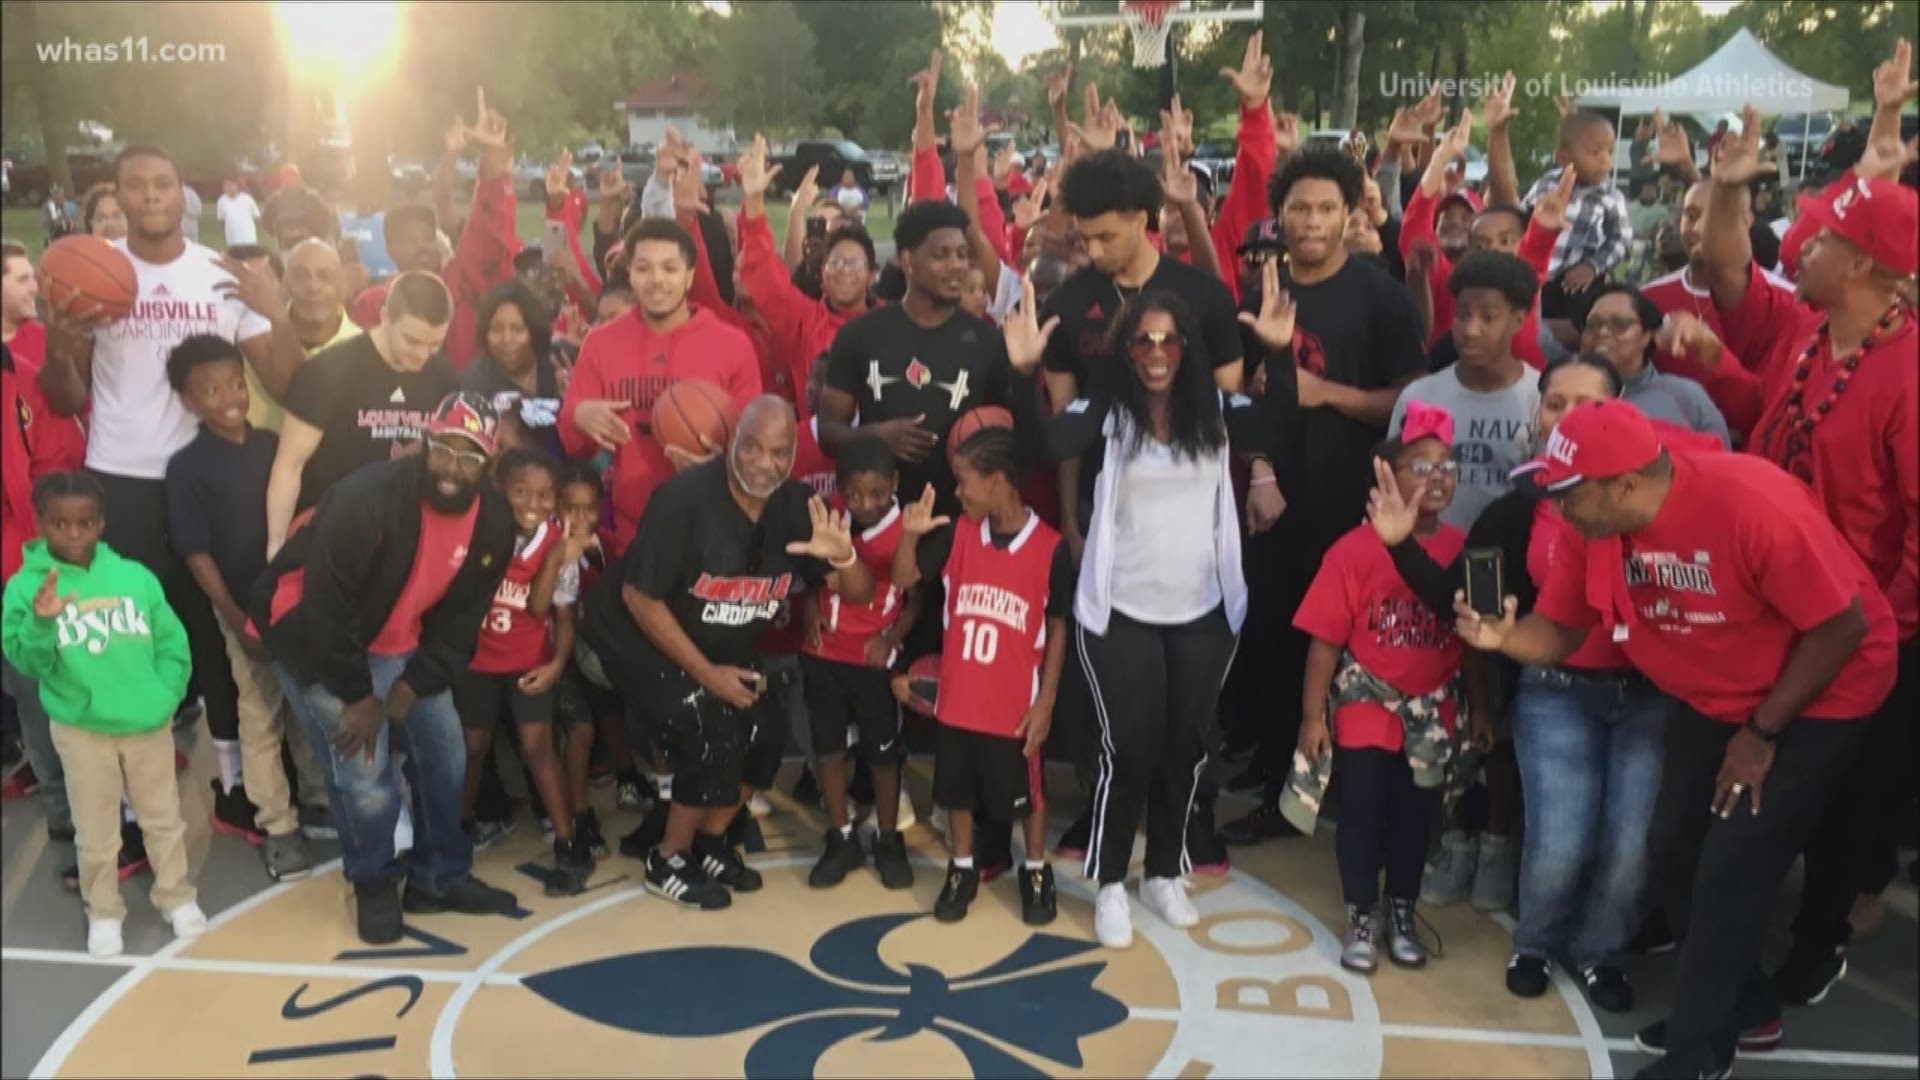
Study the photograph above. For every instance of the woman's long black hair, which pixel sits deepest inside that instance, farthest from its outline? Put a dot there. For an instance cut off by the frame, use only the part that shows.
(534, 313)
(1195, 420)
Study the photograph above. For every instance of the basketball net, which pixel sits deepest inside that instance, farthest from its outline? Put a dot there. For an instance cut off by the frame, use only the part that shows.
(1148, 22)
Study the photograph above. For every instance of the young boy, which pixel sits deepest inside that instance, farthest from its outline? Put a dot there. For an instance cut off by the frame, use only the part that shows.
(844, 665)
(581, 499)
(1378, 690)
(525, 642)
(216, 511)
(1598, 230)
(1009, 587)
(94, 630)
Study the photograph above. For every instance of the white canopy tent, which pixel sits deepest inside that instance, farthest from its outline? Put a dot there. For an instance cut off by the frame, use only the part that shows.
(1739, 73)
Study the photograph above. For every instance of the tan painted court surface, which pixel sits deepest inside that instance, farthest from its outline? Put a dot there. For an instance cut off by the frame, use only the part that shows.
(856, 981)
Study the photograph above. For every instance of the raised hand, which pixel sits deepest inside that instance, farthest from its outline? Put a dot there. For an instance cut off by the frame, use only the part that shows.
(1884, 157)
(964, 132)
(1058, 84)
(559, 175)
(1891, 86)
(1028, 210)
(254, 288)
(1026, 337)
(1404, 130)
(456, 138)
(1736, 159)
(1099, 127)
(1682, 333)
(1497, 110)
(918, 519)
(1458, 137)
(1429, 110)
(1253, 79)
(807, 192)
(1393, 516)
(832, 538)
(489, 133)
(1274, 324)
(1176, 128)
(1673, 147)
(689, 188)
(1003, 164)
(48, 603)
(755, 175)
(926, 84)
(613, 183)
(1550, 212)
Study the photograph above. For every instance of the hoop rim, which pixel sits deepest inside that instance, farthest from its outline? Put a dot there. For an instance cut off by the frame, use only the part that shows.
(1182, 13)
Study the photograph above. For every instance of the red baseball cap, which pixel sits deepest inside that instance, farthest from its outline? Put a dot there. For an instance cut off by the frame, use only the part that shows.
(1593, 442)
(1463, 194)
(469, 416)
(1877, 216)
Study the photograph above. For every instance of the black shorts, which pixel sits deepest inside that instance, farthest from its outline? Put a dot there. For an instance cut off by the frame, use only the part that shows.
(988, 774)
(839, 695)
(483, 698)
(579, 703)
(711, 747)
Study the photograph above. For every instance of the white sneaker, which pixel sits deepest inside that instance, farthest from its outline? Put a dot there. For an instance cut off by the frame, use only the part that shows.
(758, 806)
(188, 920)
(403, 827)
(906, 818)
(103, 937)
(1167, 898)
(1113, 916)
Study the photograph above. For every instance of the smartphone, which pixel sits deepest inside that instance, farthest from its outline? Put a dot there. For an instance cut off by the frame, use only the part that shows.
(816, 228)
(554, 238)
(1486, 581)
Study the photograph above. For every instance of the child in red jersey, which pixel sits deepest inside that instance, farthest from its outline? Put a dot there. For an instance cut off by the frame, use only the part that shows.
(525, 641)
(844, 666)
(1009, 586)
(1379, 698)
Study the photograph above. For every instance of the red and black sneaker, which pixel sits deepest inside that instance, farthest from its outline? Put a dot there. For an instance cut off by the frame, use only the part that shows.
(20, 783)
(133, 850)
(234, 813)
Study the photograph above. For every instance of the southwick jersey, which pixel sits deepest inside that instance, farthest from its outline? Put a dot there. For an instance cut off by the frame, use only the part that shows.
(996, 625)
(845, 625)
(513, 640)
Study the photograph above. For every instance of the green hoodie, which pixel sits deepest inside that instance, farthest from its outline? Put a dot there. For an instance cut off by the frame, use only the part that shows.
(115, 661)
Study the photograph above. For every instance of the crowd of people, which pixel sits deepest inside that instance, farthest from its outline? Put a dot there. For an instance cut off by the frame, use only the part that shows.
(1554, 590)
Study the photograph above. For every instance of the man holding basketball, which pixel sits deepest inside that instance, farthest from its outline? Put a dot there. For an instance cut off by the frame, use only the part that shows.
(727, 546)
(626, 365)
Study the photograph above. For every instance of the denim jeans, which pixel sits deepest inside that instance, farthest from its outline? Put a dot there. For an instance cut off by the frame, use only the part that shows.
(36, 738)
(1590, 753)
(366, 796)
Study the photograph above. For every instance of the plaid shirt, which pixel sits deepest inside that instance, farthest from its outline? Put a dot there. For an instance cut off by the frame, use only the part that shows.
(1597, 231)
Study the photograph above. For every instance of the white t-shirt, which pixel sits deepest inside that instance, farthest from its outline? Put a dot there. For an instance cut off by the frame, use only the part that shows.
(238, 216)
(1166, 570)
(138, 421)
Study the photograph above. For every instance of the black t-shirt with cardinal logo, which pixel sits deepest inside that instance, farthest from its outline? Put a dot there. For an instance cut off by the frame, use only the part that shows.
(725, 577)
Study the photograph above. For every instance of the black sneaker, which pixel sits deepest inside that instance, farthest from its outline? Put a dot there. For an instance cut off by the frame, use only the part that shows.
(647, 836)
(1206, 854)
(1758, 1039)
(468, 896)
(675, 879)
(1073, 843)
(957, 894)
(586, 830)
(572, 865)
(1806, 977)
(1038, 904)
(890, 860)
(133, 850)
(379, 914)
(721, 862)
(1607, 988)
(1670, 1068)
(1264, 823)
(485, 833)
(842, 857)
(234, 813)
(806, 789)
(1655, 937)
(1528, 976)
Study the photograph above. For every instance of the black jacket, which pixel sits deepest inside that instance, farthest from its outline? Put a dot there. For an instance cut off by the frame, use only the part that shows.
(357, 553)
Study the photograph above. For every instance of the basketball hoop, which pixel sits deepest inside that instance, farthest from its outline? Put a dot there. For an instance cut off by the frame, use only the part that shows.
(1147, 21)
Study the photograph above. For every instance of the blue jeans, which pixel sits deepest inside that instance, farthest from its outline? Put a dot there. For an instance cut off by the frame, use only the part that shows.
(1590, 747)
(366, 796)
(36, 739)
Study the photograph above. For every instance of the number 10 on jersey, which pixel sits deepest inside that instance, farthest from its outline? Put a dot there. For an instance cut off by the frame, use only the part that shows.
(980, 642)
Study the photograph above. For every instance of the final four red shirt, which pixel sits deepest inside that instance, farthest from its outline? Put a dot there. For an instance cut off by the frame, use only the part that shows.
(513, 640)
(1358, 602)
(1709, 599)
(846, 626)
(627, 362)
(1000, 592)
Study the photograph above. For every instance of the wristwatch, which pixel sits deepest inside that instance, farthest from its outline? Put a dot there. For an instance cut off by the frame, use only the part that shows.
(1759, 731)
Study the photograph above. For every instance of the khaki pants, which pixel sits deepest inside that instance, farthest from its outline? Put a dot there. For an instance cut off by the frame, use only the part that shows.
(263, 725)
(98, 768)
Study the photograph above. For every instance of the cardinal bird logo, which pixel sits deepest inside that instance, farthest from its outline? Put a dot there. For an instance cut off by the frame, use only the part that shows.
(918, 375)
(1032, 999)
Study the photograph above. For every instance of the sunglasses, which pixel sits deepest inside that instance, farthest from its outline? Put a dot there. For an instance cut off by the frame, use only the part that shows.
(1617, 325)
(467, 459)
(1146, 341)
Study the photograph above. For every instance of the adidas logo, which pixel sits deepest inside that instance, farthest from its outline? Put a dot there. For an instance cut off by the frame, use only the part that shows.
(161, 290)
(398, 397)
(1094, 312)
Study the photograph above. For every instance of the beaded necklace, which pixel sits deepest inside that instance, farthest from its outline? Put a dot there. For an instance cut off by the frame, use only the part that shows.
(1795, 449)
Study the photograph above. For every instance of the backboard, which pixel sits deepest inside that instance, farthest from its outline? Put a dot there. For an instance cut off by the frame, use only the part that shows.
(1107, 12)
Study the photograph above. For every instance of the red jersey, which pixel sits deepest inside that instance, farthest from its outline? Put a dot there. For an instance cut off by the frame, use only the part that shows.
(513, 640)
(1359, 602)
(996, 625)
(811, 465)
(1708, 600)
(37, 441)
(625, 361)
(1740, 385)
(846, 626)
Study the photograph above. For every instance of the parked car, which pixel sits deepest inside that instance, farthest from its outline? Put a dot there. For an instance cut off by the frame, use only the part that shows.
(28, 182)
(1218, 157)
(832, 156)
(889, 170)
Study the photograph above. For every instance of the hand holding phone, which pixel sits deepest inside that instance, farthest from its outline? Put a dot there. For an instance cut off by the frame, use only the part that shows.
(1486, 581)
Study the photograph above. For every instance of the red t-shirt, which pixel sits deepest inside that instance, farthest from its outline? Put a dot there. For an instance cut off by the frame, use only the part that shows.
(1359, 602)
(1547, 547)
(811, 465)
(996, 626)
(846, 626)
(1710, 598)
(1739, 387)
(625, 361)
(513, 640)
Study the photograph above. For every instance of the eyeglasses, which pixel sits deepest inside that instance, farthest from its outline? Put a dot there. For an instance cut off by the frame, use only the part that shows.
(466, 459)
(844, 262)
(1144, 342)
(1421, 470)
(1617, 325)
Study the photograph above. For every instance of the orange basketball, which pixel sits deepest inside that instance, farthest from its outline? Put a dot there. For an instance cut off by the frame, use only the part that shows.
(691, 409)
(985, 416)
(84, 276)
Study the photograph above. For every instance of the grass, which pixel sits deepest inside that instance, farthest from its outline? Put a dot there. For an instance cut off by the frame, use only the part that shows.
(24, 226)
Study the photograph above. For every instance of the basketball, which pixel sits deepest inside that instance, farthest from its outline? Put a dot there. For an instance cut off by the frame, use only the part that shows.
(923, 684)
(85, 276)
(985, 416)
(689, 410)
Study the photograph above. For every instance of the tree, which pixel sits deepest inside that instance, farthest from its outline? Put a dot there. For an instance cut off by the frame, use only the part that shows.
(1352, 47)
(764, 74)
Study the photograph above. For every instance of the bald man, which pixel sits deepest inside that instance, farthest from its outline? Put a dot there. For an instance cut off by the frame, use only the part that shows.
(724, 549)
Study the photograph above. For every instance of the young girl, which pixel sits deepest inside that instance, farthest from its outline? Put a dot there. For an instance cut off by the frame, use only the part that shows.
(581, 499)
(524, 644)
(94, 630)
(1009, 586)
(1379, 698)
